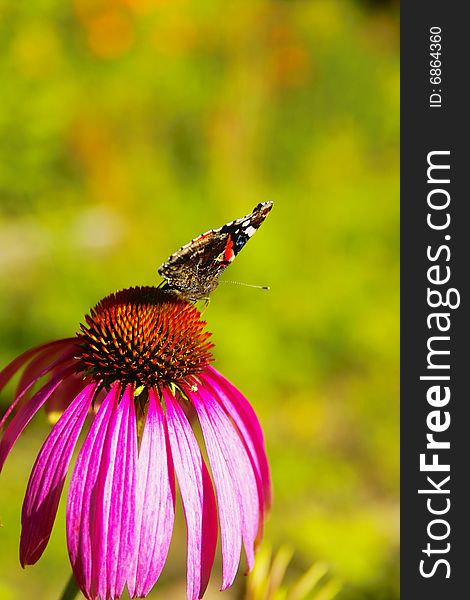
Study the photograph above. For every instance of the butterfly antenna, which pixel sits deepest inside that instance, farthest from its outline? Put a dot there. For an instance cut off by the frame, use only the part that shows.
(258, 287)
(206, 301)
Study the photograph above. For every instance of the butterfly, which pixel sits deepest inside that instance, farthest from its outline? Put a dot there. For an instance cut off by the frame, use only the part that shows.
(193, 271)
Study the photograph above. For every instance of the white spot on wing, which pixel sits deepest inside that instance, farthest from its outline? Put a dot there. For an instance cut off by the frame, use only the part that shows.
(250, 231)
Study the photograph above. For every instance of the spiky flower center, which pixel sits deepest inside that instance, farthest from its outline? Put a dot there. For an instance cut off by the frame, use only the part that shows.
(144, 336)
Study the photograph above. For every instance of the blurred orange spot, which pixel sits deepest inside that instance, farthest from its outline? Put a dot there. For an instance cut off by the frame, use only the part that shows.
(280, 33)
(95, 149)
(289, 61)
(110, 33)
(290, 66)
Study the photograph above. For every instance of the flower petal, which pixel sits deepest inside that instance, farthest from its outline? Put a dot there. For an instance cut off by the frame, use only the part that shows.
(197, 495)
(25, 385)
(227, 498)
(81, 497)
(247, 422)
(255, 454)
(48, 476)
(27, 412)
(59, 400)
(7, 373)
(42, 363)
(113, 534)
(155, 501)
(233, 475)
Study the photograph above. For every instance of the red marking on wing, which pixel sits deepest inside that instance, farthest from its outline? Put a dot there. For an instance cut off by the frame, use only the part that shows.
(229, 254)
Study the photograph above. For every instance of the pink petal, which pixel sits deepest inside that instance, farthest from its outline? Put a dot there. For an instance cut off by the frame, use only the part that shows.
(7, 373)
(237, 492)
(48, 476)
(24, 386)
(42, 361)
(70, 388)
(155, 508)
(27, 412)
(227, 498)
(113, 535)
(250, 441)
(81, 497)
(197, 495)
(247, 422)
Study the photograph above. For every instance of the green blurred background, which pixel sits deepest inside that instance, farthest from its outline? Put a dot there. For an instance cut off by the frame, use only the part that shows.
(127, 127)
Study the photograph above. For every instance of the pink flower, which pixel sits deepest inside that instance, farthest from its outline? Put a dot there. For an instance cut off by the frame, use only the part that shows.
(140, 371)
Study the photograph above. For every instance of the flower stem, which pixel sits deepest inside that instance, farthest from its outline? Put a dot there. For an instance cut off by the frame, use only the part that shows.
(71, 589)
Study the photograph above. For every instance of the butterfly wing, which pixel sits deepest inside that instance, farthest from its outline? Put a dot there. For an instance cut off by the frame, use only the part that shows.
(194, 269)
(241, 230)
